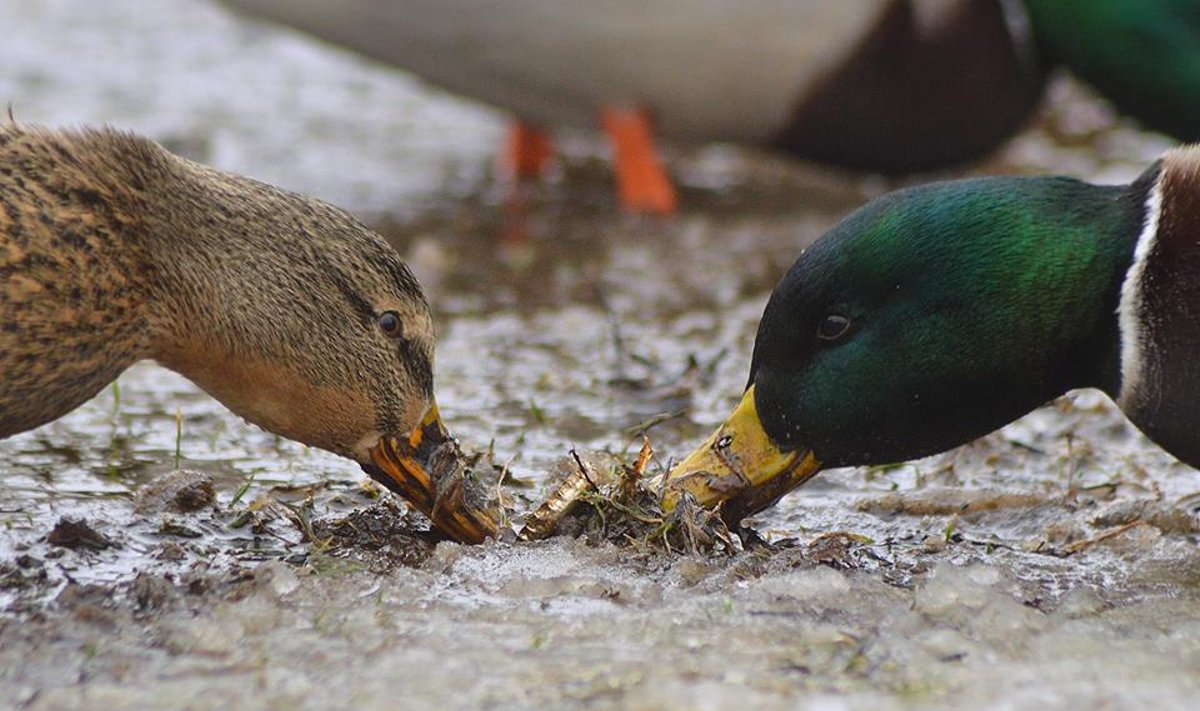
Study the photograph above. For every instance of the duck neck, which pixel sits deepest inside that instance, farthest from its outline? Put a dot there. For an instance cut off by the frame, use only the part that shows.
(236, 297)
(1098, 285)
(1125, 237)
(1160, 333)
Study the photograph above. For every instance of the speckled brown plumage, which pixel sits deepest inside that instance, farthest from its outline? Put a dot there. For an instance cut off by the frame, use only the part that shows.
(113, 250)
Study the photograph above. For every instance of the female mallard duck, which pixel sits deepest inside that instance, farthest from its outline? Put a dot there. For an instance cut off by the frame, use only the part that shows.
(887, 85)
(937, 314)
(285, 309)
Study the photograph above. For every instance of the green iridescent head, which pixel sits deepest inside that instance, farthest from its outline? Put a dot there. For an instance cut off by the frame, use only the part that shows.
(937, 314)
(927, 318)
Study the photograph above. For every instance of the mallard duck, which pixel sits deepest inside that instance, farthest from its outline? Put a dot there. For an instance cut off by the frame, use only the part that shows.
(886, 85)
(934, 315)
(286, 309)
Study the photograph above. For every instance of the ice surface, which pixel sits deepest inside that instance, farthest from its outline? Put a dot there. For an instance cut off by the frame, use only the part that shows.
(1051, 565)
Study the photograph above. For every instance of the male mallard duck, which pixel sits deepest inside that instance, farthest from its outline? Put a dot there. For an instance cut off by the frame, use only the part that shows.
(886, 85)
(937, 314)
(285, 309)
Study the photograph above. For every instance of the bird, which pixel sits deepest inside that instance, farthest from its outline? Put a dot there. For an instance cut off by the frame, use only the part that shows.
(934, 315)
(884, 85)
(286, 309)
(1142, 55)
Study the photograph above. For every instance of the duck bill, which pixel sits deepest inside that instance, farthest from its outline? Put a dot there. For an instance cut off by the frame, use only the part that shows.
(738, 467)
(428, 470)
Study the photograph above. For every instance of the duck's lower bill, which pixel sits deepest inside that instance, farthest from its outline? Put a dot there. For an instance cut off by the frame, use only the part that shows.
(427, 468)
(739, 468)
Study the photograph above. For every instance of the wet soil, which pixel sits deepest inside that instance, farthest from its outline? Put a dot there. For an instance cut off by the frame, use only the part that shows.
(157, 552)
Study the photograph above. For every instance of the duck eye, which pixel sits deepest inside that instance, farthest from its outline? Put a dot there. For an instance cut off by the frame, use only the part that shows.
(833, 327)
(389, 323)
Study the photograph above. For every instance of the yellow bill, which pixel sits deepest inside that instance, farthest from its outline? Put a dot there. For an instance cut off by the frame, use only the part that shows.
(738, 466)
(427, 468)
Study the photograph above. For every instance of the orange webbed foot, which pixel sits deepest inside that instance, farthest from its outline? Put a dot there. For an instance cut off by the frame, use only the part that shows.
(642, 182)
(527, 153)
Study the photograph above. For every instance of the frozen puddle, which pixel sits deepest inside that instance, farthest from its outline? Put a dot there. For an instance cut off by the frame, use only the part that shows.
(560, 624)
(1051, 565)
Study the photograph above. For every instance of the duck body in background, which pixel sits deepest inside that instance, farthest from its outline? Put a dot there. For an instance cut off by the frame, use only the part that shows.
(1143, 55)
(882, 85)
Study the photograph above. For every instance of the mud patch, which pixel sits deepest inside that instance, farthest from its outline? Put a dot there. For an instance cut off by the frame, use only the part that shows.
(380, 537)
(77, 533)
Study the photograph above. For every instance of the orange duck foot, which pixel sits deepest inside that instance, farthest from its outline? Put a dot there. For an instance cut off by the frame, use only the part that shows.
(527, 153)
(642, 182)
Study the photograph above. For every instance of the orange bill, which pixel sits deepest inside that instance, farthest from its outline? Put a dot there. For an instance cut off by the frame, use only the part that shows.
(428, 469)
(738, 467)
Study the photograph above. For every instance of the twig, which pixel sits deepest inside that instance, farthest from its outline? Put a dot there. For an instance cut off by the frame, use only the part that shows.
(1079, 546)
(639, 466)
(583, 471)
(644, 426)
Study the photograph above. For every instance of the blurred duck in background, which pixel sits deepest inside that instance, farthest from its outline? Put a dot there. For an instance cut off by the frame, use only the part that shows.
(1143, 55)
(891, 86)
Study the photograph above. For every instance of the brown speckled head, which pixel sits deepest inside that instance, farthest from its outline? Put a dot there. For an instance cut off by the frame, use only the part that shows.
(284, 308)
